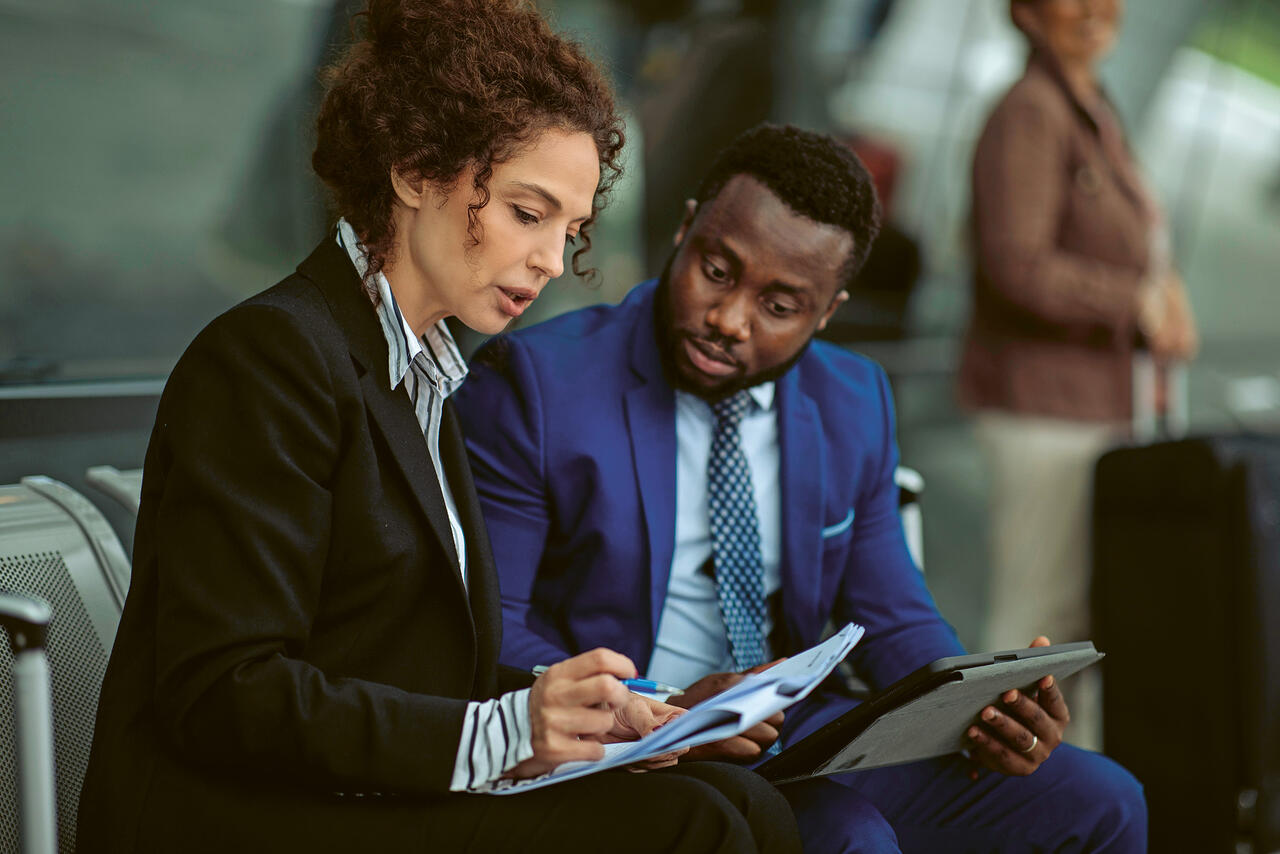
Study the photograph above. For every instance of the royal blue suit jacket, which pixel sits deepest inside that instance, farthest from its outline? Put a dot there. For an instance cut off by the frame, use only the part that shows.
(570, 426)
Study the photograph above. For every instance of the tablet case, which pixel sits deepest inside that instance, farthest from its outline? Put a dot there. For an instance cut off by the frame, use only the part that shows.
(924, 714)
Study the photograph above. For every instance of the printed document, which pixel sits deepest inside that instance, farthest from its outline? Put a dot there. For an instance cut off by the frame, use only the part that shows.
(727, 714)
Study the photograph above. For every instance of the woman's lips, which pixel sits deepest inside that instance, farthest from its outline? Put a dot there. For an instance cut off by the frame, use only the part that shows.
(514, 301)
(707, 361)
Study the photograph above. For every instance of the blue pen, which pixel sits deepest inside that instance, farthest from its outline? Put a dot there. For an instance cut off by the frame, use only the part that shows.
(640, 686)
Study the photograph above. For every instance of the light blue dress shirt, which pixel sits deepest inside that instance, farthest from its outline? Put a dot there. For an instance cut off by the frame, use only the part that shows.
(692, 641)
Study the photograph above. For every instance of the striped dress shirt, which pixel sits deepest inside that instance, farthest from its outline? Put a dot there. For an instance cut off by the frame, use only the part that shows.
(496, 734)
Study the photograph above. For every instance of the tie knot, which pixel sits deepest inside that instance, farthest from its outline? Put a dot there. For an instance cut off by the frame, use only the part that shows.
(729, 410)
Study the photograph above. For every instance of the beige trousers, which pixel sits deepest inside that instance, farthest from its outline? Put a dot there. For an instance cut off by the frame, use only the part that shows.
(1041, 488)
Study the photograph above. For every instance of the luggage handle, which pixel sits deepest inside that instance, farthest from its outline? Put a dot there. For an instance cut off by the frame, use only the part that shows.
(1149, 424)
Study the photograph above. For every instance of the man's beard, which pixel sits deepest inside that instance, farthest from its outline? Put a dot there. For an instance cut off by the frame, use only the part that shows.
(669, 344)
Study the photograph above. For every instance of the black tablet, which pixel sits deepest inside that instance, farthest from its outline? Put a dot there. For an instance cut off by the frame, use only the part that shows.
(924, 714)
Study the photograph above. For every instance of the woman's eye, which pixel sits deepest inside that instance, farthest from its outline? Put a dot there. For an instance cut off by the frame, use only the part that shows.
(571, 239)
(523, 216)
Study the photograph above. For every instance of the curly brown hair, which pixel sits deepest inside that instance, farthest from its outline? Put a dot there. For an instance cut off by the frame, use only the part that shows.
(431, 87)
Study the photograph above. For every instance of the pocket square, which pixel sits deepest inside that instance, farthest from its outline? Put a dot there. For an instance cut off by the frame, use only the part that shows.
(839, 527)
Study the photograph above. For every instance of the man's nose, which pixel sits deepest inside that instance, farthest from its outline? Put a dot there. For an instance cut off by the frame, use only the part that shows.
(731, 315)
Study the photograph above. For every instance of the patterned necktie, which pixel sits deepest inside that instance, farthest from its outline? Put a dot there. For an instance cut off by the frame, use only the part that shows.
(735, 535)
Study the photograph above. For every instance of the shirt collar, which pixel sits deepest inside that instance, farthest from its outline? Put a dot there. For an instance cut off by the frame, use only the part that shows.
(762, 395)
(1044, 62)
(435, 353)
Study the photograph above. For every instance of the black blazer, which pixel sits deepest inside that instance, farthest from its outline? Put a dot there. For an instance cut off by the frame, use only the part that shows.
(296, 624)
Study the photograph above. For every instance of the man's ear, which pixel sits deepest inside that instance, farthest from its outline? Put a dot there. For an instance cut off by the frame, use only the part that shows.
(690, 210)
(841, 297)
(412, 194)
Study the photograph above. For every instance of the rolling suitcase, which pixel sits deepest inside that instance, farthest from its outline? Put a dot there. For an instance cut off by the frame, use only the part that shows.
(1186, 588)
(26, 621)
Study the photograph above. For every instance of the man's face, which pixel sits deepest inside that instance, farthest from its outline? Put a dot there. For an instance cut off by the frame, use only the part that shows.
(749, 284)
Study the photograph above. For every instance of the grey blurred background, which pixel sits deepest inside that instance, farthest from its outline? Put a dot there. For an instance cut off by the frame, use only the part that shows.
(154, 160)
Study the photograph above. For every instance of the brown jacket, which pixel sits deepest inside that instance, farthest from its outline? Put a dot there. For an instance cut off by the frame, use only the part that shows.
(1061, 226)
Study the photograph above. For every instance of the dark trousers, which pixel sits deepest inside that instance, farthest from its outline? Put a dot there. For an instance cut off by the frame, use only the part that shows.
(700, 807)
(1076, 802)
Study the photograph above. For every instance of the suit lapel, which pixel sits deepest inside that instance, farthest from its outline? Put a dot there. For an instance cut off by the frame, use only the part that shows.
(392, 413)
(390, 409)
(803, 484)
(482, 576)
(651, 427)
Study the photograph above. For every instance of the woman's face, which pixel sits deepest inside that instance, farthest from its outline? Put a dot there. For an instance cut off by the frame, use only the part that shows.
(538, 200)
(1073, 30)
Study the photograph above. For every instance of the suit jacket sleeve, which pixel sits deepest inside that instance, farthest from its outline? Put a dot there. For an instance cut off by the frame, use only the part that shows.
(501, 411)
(249, 432)
(1020, 181)
(882, 588)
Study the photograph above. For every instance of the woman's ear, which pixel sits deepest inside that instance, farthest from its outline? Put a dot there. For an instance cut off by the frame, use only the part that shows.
(409, 192)
(1025, 19)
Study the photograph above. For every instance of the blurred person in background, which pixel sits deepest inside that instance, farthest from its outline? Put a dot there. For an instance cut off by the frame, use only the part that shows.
(1073, 283)
(307, 660)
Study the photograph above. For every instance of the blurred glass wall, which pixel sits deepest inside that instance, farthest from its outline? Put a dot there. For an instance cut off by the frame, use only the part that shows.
(155, 156)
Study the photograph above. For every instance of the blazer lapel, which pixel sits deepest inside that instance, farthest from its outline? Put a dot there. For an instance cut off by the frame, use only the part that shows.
(803, 485)
(651, 427)
(390, 409)
(482, 573)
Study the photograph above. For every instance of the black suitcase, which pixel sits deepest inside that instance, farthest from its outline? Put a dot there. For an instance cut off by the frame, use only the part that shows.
(1186, 589)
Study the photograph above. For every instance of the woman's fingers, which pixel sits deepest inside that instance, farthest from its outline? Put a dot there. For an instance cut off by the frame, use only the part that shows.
(572, 705)
(598, 660)
(602, 689)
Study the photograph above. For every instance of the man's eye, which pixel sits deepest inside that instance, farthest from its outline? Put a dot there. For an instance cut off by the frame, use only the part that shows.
(523, 216)
(714, 273)
(779, 309)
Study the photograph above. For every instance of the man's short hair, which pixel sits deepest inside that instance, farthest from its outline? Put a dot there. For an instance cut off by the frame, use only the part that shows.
(813, 174)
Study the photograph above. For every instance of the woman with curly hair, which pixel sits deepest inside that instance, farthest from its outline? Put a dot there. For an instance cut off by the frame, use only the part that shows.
(308, 656)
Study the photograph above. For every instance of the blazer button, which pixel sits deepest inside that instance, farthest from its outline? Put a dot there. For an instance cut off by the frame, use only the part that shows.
(1088, 181)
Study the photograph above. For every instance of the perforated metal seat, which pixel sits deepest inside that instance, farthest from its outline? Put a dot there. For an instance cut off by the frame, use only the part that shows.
(124, 487)
(910, 485)
(56, 546)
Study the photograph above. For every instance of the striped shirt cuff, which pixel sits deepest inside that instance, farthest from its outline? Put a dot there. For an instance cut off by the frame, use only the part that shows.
(496, 736)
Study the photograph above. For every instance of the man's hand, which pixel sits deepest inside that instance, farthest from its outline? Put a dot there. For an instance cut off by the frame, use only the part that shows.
(1018, 736)
(746, 747)
(572, 707)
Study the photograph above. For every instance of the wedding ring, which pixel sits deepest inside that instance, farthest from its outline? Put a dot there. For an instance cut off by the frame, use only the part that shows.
(1035, 739)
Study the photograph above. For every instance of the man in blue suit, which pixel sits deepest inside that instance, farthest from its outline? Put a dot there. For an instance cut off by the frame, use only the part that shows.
(690, 479)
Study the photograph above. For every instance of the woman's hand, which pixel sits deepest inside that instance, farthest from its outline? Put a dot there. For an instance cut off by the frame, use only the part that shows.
(639, 717)
(1165, 318)
(1179, 340)
(573, 707)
